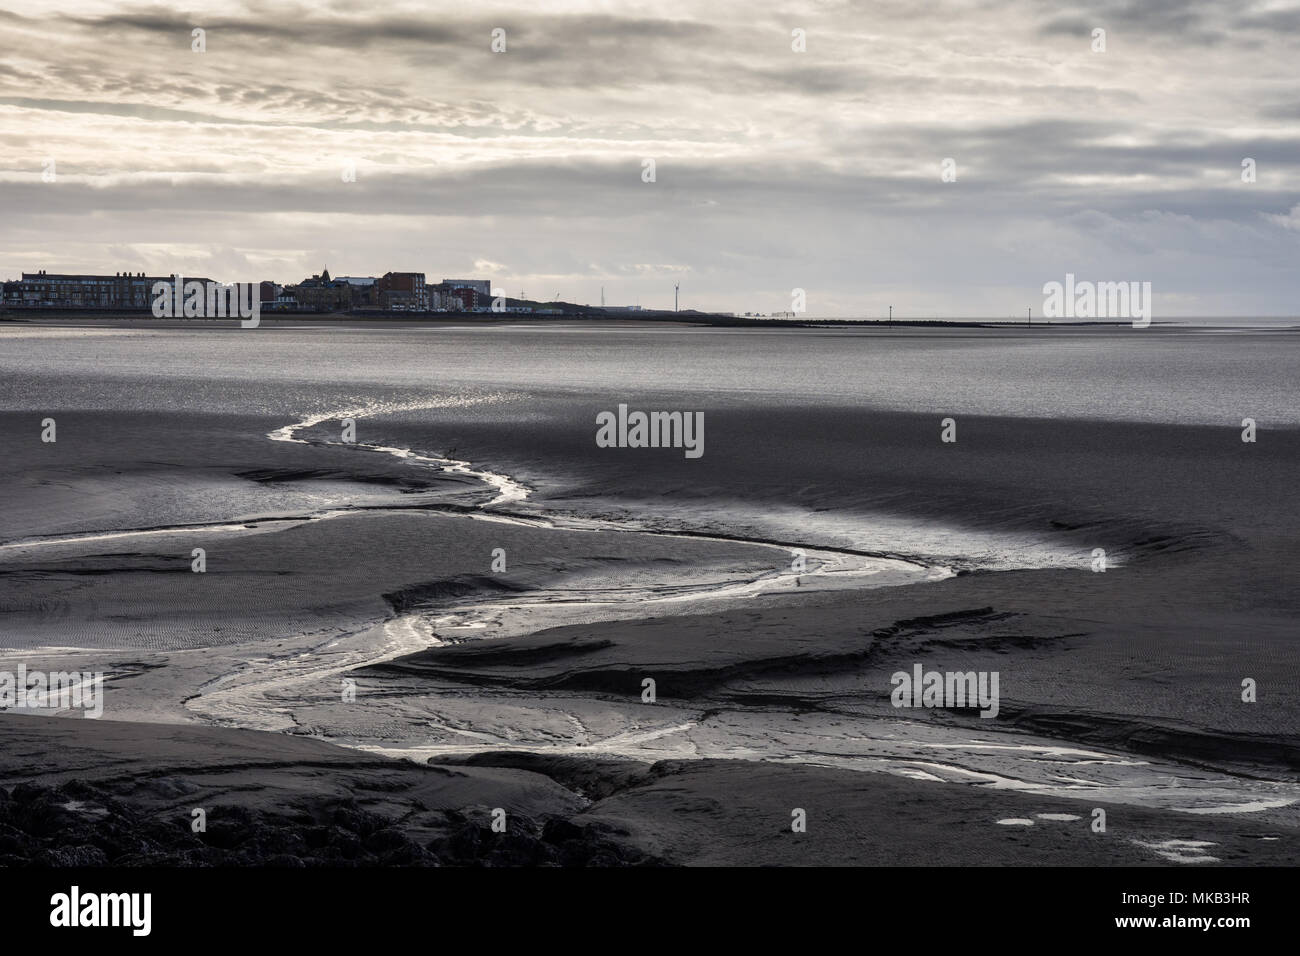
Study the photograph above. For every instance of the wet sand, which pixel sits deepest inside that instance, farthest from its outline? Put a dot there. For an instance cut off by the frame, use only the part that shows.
(1119, 689)
(120, 794)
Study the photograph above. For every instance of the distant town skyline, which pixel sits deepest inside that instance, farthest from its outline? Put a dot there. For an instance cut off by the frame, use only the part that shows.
(793, 147)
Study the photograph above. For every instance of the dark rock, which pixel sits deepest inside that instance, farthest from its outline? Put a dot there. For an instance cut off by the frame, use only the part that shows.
(71, 856)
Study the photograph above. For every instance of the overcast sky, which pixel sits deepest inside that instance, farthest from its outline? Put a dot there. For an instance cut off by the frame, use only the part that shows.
(774, 169)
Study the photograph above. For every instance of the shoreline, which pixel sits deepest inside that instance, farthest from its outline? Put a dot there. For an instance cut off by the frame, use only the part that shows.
(80, 318)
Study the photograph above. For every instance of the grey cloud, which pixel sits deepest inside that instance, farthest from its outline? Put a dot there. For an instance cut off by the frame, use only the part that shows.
(823, 165)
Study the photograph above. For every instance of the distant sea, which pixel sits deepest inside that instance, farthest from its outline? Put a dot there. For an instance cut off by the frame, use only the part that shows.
(1188, 375)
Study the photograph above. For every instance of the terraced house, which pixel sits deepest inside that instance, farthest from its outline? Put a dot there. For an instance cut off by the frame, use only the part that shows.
(126, 291)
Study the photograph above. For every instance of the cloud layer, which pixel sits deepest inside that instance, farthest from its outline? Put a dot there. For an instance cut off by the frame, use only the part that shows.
(774, 169)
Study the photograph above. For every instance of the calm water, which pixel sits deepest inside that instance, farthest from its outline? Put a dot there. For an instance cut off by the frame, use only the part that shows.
(1191, 376)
